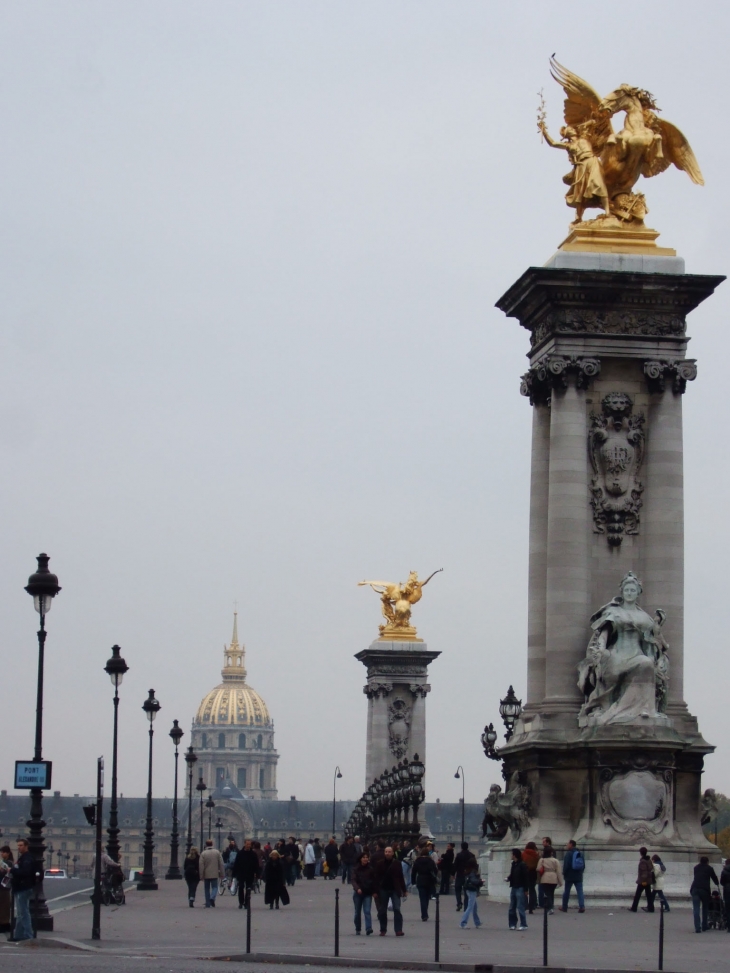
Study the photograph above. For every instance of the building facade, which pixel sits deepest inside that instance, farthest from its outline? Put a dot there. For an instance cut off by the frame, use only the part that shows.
(233, 733)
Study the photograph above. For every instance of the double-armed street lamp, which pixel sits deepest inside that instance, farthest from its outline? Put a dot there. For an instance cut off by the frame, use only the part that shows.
(219, 826)
(115, 668)
(460, 774)
(210, 804)
(176, 734)
(510, 709)
(337, 776)
(43, 586)
(201, 787)
(190, 760)
(147, 883)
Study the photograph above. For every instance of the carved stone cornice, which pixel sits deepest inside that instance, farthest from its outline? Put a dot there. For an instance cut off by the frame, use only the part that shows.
(554, 372)
(551, 301)
(677, 371)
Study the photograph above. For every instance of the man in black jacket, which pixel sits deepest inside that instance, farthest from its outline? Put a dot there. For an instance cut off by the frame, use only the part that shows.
(700, 891)
(424, 875)
(290, 852)
(23, 879)
(246, 869)
(460, 862)
(348, 857)
(390, 886)
(519, 881)
(446, 865)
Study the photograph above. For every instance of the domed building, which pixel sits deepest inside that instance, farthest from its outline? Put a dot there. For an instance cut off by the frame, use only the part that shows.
(233, 733)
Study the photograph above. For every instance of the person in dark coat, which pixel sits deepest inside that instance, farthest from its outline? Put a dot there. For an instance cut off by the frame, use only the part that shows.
(246, 870)
(191, 874)
(390, 887)
(519, 882)
(23, 879)
(462, 859)
(291, 855)
(424, 876)
(725, 882)
(6, 860)
(644, 882)
(275, 883)
(332, 858)
(348, 857)
(363, 889)
(531, 858)
(446, 867)
(700, 891)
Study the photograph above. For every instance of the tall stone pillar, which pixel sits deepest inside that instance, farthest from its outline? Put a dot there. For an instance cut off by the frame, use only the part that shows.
(396, 688)
(606, 376)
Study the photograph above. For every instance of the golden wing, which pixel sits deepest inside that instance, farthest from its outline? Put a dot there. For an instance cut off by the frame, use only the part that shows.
(676, 150)
(582, 104)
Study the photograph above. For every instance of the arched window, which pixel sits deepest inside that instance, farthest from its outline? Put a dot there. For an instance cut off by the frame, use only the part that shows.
(241, 741)
(204, 744)
(259, 741)
(241, 783)
(221, 741)
(262, 774)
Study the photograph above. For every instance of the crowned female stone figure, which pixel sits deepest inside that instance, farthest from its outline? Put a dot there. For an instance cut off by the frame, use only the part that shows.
(625, 657)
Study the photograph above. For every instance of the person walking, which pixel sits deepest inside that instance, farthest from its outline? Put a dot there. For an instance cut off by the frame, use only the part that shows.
(644, 881)
(724, 882)
(659, 869)
(518, 884)
(6, 860)
(23, 879)
(245, 871)
(347, 858)
(461, 860)
(310, 861)
(363, 888)
(291, 860)
(191, 873)
(318, 857)
(531, 858)
(211, 871)
(229, 857)
(424, 875)
(573, 867)
(390, 887)
(446, 866)
(275, 882)
(700, 891)
(472, 884)
(331, 858)
(551, 876)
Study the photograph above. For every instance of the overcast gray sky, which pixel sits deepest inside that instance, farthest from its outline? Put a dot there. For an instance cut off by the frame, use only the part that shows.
(249, 254)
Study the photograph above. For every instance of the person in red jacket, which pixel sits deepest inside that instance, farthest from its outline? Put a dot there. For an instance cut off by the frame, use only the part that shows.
(390, 888)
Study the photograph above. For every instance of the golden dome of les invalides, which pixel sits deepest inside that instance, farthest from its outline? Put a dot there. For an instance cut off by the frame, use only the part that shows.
(233, 702)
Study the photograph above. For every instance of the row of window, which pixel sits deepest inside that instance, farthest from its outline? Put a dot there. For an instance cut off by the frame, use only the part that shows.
(207, 741)
(241, 778)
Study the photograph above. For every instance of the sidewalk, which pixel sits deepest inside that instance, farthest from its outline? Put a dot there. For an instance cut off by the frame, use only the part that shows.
(161, 924)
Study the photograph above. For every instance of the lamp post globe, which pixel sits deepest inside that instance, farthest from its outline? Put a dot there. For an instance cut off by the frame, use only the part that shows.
(43, 587)
(510, 709)
(115, 668)
(190, 759)
(147, 883)
(176, 735)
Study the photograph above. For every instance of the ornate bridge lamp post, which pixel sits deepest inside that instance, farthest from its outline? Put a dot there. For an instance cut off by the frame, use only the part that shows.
(201, 788)
(44, 587)
(337, 776)
(176, 735)
(461, 775)
(115, 668)
(210, 804)
(510, 709)
(416, 771)
(147, 883)
(190, 760)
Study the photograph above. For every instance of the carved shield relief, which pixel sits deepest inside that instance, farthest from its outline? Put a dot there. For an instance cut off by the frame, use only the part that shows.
(616, 449)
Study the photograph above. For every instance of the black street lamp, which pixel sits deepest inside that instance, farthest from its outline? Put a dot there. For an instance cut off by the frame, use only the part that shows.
(173, 871)
(147, 882)
(43, 586)
(115, 669)
(337, 777)
(463, 803)
(201, 787)
(190, 760)
(60, 856)
(489, 739)
(219, 826)
(210, 804)
(510, 709)
(75, 860)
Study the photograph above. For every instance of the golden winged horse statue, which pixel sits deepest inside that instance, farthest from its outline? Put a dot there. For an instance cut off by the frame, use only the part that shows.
(606, 165)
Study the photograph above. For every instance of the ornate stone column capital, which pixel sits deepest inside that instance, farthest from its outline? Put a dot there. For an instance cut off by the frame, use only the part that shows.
(375, 689)
(679, 371)
(555, 372)
(422, 689)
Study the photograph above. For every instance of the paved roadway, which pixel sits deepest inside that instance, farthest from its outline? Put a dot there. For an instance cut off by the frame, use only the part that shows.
(158, 931)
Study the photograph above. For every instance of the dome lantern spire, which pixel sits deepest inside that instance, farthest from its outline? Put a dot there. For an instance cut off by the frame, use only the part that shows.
(234, 669)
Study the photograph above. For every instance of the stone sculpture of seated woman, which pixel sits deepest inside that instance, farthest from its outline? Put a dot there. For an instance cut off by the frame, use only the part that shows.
(625, 672)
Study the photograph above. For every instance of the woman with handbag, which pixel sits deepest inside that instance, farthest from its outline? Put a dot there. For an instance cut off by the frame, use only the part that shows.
(472, 883)
(550, 876)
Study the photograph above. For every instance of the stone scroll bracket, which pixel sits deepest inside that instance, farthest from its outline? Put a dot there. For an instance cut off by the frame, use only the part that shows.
(677, 372)
(555, 372)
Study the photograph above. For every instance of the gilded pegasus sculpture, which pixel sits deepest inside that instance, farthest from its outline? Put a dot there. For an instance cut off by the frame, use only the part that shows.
(606, 165)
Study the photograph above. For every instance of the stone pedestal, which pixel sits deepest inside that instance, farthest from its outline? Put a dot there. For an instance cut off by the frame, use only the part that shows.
(396, 689)
(607, 331)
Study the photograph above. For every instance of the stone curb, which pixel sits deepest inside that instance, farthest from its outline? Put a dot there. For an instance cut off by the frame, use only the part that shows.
(56, 942)
(384, 964)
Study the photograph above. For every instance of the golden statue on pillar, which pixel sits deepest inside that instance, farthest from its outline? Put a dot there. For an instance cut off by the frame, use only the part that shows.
(606, 165)
(396, 601)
